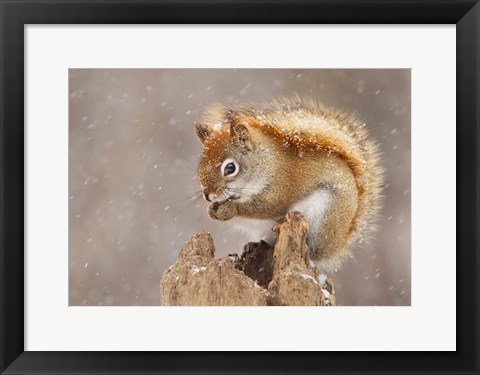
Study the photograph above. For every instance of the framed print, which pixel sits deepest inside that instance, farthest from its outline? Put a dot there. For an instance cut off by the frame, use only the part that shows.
(239, 187)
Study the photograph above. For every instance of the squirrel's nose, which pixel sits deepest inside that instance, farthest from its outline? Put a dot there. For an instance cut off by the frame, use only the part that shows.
(205, 195)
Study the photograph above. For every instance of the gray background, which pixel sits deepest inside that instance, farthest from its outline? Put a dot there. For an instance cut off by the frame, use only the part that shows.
(132, 166)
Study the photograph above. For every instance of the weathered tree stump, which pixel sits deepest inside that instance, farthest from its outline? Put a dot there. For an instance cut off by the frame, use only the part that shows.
(262, 276)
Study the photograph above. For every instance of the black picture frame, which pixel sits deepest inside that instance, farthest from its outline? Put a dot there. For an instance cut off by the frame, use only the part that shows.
(15, 14)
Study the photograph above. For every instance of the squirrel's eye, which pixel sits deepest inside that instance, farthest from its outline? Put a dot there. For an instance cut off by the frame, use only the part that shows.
(229, 168)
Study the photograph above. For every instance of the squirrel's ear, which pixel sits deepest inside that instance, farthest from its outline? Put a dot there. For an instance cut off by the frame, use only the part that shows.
(203, 131)
(241, 136)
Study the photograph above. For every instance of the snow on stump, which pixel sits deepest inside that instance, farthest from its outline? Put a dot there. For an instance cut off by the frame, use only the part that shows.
(262, 276)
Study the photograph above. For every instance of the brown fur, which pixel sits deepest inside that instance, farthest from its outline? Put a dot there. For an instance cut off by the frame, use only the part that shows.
(287, 150)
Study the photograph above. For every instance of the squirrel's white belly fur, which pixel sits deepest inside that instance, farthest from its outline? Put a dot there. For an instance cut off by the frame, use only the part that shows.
(255, 229)
(313, 207)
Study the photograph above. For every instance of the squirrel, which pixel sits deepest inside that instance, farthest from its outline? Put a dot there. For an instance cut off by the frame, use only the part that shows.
(260, 162)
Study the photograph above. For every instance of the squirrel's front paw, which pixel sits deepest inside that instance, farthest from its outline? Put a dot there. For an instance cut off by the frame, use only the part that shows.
(222, 211)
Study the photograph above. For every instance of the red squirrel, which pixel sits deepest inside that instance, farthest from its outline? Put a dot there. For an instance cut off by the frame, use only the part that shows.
(260, 162)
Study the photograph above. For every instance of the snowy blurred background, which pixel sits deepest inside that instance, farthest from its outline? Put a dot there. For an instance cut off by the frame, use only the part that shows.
(132, 166)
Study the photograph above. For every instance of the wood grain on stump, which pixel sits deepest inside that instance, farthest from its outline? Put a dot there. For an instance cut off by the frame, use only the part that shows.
(262, 276)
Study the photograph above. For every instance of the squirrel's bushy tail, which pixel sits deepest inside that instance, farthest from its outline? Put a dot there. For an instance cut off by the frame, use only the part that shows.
(371, 178)
(362, 154)
(339, 132)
